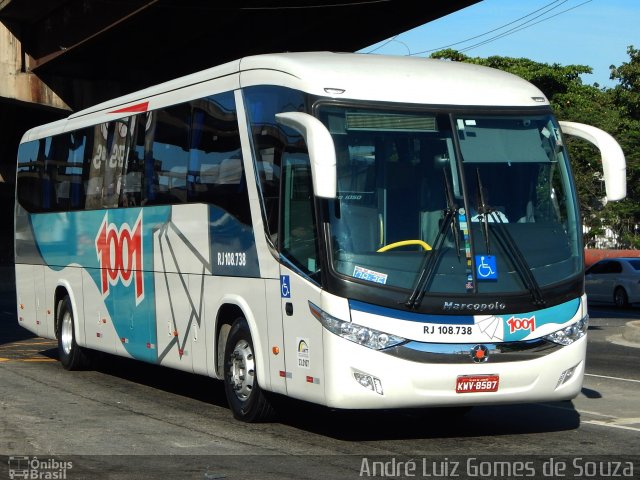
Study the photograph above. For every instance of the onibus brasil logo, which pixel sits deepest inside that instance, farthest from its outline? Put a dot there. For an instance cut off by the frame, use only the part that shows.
(23, 467)
(119, 253)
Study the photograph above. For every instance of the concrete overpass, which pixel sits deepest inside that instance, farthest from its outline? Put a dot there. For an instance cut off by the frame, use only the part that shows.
(63, 55)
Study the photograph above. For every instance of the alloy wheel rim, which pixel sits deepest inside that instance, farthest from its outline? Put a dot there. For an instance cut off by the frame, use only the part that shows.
(242, 370)
(66, 333)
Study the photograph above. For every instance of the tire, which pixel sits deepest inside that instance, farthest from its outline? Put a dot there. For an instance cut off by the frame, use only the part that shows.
(620, 297)
(246, 399)
(72, 356)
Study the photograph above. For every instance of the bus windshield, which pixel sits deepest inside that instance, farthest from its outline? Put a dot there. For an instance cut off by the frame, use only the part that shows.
(451, 203)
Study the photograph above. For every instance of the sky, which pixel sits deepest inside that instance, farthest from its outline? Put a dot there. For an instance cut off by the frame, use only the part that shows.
(595, 33)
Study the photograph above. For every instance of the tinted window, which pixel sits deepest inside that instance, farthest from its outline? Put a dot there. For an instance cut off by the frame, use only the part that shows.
(30, 175)
(136, 181)
(185, 153)
(615, 267)
(169, 154)
(635, 264)
(50, 173)
(105, 166)
(607, 266)
(599, 267)
(298, 227)
(216, 171)
(79, 148)
(271, 141)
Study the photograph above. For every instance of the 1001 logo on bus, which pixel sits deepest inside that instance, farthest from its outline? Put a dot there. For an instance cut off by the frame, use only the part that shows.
(517, 324)
(120, 255)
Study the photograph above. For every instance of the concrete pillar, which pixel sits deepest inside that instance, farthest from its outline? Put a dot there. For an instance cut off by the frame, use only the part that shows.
(25, 101)
(16, 83)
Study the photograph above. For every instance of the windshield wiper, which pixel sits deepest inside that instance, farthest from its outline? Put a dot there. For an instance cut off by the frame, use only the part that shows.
(508, 245)
(483, 210)
(431, 258)
(519, 262)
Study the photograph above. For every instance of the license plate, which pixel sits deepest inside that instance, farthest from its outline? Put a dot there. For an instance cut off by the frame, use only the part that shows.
(477, 383)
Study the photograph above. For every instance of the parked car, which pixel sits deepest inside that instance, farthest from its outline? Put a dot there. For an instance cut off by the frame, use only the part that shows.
(614, 280)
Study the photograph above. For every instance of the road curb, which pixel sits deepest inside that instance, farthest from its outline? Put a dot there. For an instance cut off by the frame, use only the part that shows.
(631, 331)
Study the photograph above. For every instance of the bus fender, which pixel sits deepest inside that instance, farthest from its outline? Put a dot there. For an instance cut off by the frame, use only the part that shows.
(247, 312)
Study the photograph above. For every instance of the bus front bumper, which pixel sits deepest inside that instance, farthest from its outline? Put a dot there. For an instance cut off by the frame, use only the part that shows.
(361, 378)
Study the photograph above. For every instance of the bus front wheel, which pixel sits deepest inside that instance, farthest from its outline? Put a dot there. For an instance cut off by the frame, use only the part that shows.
(247, 400)
(72, 356)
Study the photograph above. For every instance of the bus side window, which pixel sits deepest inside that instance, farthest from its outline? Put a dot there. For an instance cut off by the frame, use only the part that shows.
(74, 169)
(94, 166)
(169, 155)
(216, 174)
(133, 171)
(271, 143)
(299, 239)
(56, 186)
(28, 176)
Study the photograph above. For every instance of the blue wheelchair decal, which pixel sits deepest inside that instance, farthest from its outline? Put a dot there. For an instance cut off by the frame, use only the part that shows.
(486, 268)
(285, 286)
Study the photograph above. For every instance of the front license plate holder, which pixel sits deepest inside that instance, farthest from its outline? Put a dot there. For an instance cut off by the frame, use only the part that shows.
(477, 383)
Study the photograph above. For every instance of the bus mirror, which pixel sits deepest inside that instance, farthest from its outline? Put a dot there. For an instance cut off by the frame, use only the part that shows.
(613, 162)
(322, 152)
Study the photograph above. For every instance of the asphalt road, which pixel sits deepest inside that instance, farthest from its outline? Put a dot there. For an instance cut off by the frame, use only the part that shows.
(131, 420)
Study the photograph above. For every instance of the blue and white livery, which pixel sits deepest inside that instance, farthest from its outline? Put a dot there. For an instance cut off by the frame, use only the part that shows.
(355, 231)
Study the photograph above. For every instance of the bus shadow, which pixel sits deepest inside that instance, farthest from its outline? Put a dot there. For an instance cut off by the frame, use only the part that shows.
(434, 422)
(353, 425)
(196, 387)
(11, 331)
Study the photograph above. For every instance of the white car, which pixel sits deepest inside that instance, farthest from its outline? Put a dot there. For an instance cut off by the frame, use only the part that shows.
(614, 280)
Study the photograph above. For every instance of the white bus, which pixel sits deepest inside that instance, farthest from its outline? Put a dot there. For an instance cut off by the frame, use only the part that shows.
(361, 232)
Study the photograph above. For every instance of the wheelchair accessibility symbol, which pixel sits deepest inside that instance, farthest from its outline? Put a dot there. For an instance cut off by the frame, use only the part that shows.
(486, 268)
(285, 288)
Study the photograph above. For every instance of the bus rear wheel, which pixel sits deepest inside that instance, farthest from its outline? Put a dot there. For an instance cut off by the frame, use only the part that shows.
(248, 402)
(71, 355)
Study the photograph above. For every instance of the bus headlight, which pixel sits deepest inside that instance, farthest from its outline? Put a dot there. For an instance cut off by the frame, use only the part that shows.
(353, 332)
(571, 333)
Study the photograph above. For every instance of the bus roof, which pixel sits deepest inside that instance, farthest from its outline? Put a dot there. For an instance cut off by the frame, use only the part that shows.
(337, 75)
(396, 79)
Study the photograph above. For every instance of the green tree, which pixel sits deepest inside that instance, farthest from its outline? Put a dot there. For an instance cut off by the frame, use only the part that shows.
(626, 96)
(627, 93)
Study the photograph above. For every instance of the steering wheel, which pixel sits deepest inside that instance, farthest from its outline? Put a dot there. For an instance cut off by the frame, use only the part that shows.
(403, 243)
